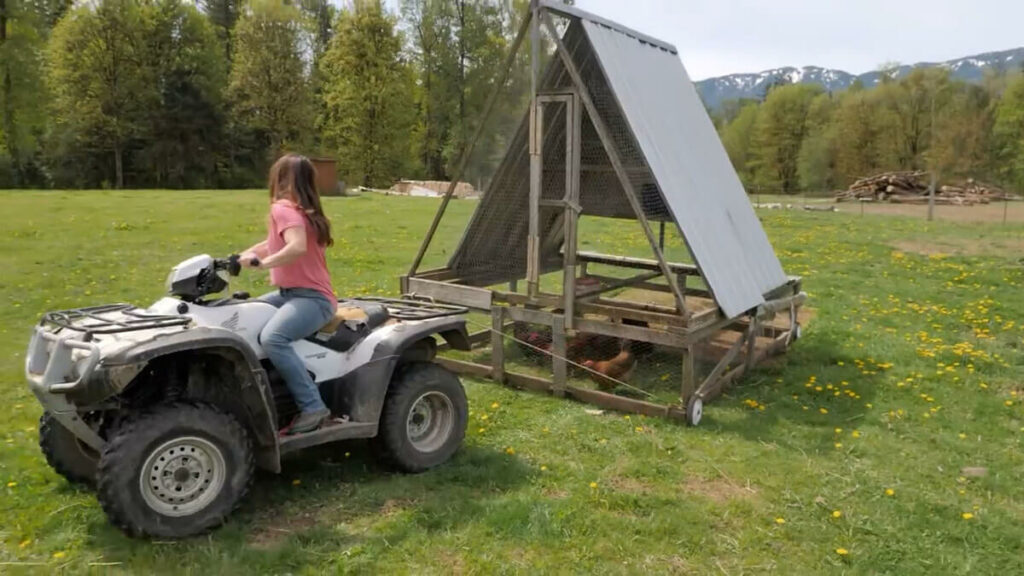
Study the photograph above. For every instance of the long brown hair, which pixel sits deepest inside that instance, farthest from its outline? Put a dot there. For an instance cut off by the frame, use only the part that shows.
(293, 177)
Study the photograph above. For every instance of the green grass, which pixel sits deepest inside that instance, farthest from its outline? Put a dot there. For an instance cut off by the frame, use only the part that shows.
(925, 352)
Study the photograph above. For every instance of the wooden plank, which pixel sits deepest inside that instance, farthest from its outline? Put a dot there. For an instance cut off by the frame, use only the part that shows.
(689, 383)
(528, 382)
(618, 313)
(559, 367)
(613, 155)
(632, 262)
(498, 343)
(465, 368)
(619, 403)
(630, 332)
(529, 21)
(469, 296)
(572, 208)
(616, 283)
(530, 316)
(710, 381)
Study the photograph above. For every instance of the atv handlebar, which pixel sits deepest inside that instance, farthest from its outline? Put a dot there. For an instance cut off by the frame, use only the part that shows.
(233, 264)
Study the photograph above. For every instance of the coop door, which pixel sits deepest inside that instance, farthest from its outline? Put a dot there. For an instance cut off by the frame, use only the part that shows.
(554, 192)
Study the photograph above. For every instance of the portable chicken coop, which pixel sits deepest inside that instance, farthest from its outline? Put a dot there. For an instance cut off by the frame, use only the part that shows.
(614, 130)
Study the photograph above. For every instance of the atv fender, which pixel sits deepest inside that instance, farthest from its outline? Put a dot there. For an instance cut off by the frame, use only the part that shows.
(360, 393)
(252, 402)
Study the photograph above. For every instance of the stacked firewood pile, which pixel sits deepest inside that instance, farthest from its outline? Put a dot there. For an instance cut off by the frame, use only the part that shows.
(912, 188)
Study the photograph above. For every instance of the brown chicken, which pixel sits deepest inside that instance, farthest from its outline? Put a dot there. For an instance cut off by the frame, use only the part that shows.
(619, 368)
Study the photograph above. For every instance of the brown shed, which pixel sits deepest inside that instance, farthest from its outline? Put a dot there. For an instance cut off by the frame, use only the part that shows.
(326, 176)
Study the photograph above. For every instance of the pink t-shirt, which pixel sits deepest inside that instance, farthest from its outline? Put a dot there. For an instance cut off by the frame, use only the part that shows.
(310, 269)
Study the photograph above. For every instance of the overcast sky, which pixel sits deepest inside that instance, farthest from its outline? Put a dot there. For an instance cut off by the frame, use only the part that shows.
(718, 37)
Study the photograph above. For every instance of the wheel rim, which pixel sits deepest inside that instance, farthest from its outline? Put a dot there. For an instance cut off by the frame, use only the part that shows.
(431, 420)
(182, 476)
(696, 411)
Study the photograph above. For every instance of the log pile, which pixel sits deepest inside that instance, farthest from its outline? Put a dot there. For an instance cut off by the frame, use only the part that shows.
(912, 188)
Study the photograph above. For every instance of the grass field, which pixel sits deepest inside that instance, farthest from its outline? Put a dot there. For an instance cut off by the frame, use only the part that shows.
(845, 456)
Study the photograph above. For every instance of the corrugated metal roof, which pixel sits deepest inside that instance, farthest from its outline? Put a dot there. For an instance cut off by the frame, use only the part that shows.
(691, 167)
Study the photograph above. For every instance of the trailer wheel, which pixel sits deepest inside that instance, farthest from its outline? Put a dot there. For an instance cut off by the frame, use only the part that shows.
(174, 471)
(424, 418)
(65, 453)
(694, 410)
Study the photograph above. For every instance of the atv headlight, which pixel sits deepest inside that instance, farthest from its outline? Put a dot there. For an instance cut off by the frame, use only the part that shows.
(170, 280)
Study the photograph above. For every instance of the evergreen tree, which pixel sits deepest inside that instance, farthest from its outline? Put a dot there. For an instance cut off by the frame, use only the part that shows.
(368, 87)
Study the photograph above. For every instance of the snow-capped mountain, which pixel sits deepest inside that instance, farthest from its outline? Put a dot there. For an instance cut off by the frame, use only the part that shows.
(714, 91)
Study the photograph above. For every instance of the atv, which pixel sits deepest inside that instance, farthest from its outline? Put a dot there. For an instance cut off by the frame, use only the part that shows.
(166, 410)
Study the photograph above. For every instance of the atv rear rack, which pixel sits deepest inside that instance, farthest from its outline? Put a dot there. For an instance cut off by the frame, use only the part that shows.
(409, 309)
(99, 320)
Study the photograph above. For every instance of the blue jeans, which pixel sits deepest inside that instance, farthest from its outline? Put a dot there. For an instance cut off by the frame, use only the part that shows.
(300, 312)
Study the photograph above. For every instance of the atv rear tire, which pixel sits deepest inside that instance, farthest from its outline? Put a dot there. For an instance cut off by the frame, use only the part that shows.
(65, 453)
(424, 418)
(175, 470)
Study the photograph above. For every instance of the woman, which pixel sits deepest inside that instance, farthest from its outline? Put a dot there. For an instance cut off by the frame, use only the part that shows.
(298, 232)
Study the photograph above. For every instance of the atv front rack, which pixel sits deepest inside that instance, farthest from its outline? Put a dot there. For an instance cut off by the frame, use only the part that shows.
(101, 320)
(408, 309)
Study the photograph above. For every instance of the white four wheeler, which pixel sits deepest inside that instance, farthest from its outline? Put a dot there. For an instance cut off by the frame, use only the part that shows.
(166, 410)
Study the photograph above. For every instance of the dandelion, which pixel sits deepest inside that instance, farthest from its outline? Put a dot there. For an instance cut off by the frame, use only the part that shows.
(59, 555)
(480, 430)
(494, 406)
(593, 485)
(967, 515)
(842, 551)
(839, 430)
(510, 451)
(780, 520)
(1008, 402)
(483, 417)
(962, 435)
(12, 484)
(543, 468)
(855, 433)
(836, 514)
(296, 482)
(348, 454)
(890, 492)
(24, 544)
(823, 410)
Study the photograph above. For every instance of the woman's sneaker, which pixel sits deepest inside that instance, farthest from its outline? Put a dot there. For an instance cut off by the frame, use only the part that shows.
(306, 422)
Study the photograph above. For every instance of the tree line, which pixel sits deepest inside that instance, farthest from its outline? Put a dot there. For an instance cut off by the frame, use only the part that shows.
(179, 94)
(804, 139)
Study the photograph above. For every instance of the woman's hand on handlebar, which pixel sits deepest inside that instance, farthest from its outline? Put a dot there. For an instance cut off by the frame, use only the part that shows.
(249, 260)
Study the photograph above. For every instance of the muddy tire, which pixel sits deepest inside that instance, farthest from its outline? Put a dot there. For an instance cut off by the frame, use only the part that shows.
(65, 453)
(174, 471)
(424, 418)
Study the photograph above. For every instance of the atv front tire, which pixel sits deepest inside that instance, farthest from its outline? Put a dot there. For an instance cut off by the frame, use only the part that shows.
(68, 456)
(176, 470)
(424, 418)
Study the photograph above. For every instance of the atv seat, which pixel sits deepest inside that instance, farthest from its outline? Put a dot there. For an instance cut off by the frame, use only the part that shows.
(351, 323)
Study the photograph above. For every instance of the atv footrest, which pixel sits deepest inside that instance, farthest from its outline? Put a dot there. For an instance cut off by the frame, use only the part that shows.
(331, 431)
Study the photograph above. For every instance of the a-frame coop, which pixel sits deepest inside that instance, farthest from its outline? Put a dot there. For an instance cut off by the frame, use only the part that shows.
(615, 130)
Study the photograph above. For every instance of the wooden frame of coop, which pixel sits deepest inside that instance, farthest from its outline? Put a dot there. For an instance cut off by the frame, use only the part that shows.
(581, 105)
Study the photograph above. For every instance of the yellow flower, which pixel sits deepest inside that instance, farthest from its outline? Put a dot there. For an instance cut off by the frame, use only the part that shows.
(543, 468)
(839, 445)
(296, 482)
(839, 430)
(593, 485)
(836, 513)
(1008, 402)
(780, 520)
(889, 492)
(484, 417)
(510, 450)
(347, 454)
(962, 435)
(855, 433)
(24, 544)
(823, 410)
(480, 430)
(494, 406)
(12, 484)
(58, 555)
(842, 551)
(967, 515)
(545, 430)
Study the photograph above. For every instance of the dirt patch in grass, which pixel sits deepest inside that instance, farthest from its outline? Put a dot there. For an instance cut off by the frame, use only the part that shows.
(964, 247)
(719, 489)
(270, 530)
(630, 485)
(394, 506)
